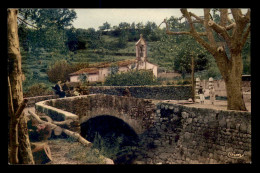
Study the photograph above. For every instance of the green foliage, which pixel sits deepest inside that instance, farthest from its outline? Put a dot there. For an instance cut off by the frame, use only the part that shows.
(44, 17)
(174, 52)
(58, 71)
(83, 78)
(131, 78)
(38, 89)
(85, 155)
(61, 69)
(108, 147)
(49, 33)
(106, 26)
(112, 146)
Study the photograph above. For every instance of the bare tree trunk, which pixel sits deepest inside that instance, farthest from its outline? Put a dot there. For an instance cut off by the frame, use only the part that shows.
(25, 153)
(15, 95)
(231, 72)
(233, 82)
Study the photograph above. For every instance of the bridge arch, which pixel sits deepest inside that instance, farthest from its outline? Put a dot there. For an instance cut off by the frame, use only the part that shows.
(135, 124)
(106, 125)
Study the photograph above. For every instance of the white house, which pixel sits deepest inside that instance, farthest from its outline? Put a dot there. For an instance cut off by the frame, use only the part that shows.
(99, 71)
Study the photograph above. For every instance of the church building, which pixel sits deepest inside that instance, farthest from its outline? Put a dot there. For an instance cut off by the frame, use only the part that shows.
(99, 71)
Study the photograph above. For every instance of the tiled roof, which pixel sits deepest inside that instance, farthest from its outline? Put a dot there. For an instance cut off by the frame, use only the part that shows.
(85, 70)
(94, 68)
(108, 64)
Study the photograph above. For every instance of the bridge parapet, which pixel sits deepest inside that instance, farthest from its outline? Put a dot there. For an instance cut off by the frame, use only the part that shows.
(138, 113)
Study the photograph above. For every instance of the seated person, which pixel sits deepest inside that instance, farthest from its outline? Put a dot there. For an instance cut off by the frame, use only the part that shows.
(58, 90)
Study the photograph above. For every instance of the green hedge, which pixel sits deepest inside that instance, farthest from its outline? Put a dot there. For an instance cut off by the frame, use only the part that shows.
(132, 78)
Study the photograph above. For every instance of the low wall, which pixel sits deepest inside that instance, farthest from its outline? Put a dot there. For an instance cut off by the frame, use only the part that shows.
(168, 92)
(33, 100)
(187, 135)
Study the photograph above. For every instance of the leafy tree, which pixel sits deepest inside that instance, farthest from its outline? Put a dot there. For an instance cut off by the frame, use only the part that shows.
(49, 24)
(226, 48)
(61, 69)
(72, 42)
(106, 26)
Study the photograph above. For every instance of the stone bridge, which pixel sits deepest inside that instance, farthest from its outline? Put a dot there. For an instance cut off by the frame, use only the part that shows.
(169, 133)
(137, 113)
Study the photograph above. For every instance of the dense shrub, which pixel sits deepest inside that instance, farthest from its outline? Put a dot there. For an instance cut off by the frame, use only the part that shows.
(61, 69)
(132, 78)
(38, 89)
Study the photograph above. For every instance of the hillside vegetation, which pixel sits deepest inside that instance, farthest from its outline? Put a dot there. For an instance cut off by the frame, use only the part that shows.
(57, 41)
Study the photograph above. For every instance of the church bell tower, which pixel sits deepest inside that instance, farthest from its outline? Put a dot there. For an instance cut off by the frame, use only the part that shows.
(141, 49)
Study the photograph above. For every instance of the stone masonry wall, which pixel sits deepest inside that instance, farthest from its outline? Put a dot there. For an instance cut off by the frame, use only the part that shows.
(138, 113)
(171, 134)
(168, 92)
(186, 135)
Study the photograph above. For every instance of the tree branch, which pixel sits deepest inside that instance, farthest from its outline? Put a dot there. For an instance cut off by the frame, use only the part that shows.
(198, 19)
(230, 26)
(221, 30)
(21, 108)
(247, 16)
(11, 106)
(245, 36)
(180, 33)
(237, 14)
(68, 132)
(26, 22)
(196, 35)
(187, 16)
(223, 17)
(208, 29)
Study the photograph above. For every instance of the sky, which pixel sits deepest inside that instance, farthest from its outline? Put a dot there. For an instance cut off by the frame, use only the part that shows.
(93, 18)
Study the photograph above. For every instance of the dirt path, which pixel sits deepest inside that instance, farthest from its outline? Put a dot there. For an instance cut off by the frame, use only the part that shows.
(59, 150)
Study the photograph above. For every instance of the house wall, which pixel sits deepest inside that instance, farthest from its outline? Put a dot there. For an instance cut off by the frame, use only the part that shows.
(122, 69)
(93, 77)
(74, 78)
(103, 73)
(151, 66)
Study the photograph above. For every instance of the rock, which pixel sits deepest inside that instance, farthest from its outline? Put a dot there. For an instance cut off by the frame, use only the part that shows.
(176, 110)
(164, 156)
(109, 161)
(139, 162)
(249, 129)
(243, 128)
(184, 115)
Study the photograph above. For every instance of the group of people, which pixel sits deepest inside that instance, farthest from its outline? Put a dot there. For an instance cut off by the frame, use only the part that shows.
(64, 90)
(201, 92)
